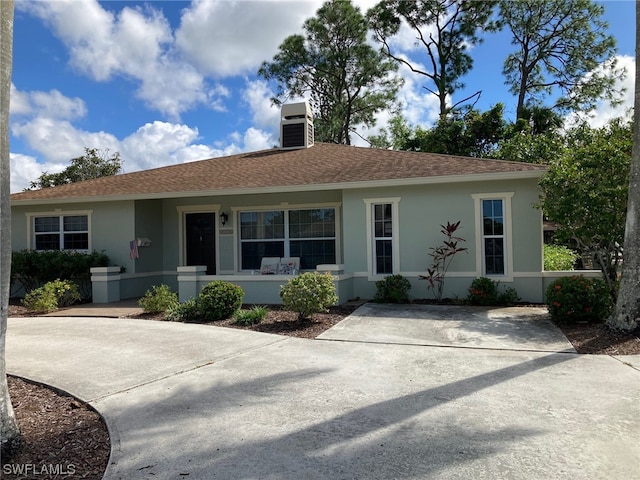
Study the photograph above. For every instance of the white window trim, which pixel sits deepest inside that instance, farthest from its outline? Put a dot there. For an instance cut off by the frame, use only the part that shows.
(183, 210)
(31, 240)
(395, 240)
(508, 234)
(286, 206)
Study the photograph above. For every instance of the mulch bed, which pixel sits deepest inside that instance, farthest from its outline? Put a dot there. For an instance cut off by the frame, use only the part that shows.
(59, 431)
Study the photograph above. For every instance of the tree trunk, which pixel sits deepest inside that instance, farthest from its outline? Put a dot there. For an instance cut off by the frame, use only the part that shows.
(8, 427)
(626, 316)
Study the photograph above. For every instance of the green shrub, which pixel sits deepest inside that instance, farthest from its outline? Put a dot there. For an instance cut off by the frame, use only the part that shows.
(484, 291)
(578, 299)
(51, 296)
(559, 257)
(252, 316)
(392, 289)
(31, 269)
(159, 298)
(220, 299)
(309, 293)
(188, 311)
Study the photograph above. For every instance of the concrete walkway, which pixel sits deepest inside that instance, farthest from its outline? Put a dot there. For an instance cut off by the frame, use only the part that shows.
(201, 402)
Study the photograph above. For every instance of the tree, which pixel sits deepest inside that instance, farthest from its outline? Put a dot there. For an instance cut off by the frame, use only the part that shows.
(626, 315)
(348, 82)
(446, 29)
(560, 44)
(474, 134)
(585, 191)
(93, 164)
(9, 431)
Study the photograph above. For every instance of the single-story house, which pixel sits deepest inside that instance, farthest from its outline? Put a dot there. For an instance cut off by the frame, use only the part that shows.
(359, 213)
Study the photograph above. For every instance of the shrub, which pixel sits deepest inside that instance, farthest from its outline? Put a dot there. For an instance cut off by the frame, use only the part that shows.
(578, 299)
(220, 299)
(252, 316)
(392, 289)
(51, 296)
(159, 299)
(188, 311)
(31, 269)
(484, 291)
(559, 257)
(309, 293)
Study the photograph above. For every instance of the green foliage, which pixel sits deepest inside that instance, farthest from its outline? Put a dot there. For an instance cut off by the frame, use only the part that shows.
(485, 291)
(445, 29)
(188, 311)
(392, 289)
(159, 298)
(559, 257)
(254, 315)
(442, 257)
(559, 45)
(578, 299)
(93, 164)
(347, 80)
(31, 269)
(51, 296)
(219, 300)
(309, 293)
(585, 191)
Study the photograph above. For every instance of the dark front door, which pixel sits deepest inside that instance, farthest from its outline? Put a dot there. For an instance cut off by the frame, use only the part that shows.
(200, 239)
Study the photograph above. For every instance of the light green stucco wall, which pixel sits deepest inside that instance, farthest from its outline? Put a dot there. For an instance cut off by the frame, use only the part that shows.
(149, 224)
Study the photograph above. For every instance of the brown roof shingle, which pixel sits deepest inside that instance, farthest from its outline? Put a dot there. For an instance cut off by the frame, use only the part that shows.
(323, 164)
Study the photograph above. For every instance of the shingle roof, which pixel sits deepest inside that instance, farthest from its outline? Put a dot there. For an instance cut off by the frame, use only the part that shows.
(323, 165)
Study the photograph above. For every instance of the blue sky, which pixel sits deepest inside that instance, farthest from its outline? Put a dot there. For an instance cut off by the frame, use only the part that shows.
(165, 82)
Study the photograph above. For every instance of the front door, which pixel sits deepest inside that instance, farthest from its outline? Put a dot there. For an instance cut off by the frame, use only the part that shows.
(200, 240)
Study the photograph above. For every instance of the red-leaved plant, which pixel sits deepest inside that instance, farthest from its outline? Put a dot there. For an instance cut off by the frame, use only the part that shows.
(442, 258)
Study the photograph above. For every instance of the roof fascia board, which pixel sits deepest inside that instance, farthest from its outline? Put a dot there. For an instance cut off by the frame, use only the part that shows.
(529, 174)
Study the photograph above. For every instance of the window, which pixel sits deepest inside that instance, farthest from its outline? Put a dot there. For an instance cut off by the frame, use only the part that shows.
(62, 232)
(382, 231)
(383, 238)
(493, 234)
(308, 233)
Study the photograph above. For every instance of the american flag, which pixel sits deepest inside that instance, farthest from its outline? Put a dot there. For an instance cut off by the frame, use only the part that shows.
(133, 249)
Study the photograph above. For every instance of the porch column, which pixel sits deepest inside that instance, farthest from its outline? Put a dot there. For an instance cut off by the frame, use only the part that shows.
(105, 284)
(189, 281)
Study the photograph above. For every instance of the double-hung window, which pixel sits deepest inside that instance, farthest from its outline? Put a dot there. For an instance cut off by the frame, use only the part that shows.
(61, 232)
(308, 233)
(382, 232)
(493, 234)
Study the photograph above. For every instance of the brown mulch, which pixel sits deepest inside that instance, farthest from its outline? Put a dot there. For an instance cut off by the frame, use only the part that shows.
(59, 431)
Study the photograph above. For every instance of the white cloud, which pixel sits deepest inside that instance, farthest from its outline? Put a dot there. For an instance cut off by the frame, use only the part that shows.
(225, 38)
(257, 95)
(137, 43)
(604, 111)
(25, 169)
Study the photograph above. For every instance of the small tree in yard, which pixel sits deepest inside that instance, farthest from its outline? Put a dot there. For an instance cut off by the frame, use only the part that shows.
(442, 258)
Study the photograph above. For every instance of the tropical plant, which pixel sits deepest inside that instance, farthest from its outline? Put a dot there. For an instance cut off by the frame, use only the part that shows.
(309, 293)
(187, 311)
(442, 257)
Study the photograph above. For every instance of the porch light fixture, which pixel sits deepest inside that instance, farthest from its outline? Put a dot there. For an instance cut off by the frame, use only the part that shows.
(223, 218)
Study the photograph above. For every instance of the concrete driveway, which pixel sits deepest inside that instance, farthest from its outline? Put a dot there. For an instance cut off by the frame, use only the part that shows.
(200, 402)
